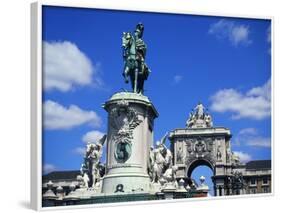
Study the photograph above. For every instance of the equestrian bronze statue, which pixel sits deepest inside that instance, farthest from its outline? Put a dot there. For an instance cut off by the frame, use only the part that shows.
(134, 52)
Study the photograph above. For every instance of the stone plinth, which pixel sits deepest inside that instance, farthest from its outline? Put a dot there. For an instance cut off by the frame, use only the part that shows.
(129, 137)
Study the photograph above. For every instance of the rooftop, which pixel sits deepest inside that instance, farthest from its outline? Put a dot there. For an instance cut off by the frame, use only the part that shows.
(61, 175)
(258, 165)
(72, 175)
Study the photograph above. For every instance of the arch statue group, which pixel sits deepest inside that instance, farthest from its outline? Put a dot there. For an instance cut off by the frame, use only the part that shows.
(200, 143)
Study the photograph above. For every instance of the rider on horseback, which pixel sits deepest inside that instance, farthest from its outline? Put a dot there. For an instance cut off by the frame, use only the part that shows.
(141, 49)
(134, 51)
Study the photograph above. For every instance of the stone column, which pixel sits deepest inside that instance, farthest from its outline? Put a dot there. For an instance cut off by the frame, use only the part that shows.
(129, 137)
(222, 191)
(217, 193)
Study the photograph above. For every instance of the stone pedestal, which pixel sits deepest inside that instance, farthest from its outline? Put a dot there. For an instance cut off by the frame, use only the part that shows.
(129, 137)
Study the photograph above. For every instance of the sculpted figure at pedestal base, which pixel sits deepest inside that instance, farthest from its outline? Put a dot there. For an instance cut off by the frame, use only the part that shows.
(158, 164)
(170, 174)
(92, 167)
(160, 160)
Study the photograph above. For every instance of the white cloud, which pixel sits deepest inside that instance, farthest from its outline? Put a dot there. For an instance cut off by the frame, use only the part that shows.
(235, 33)
(251, 131)
(79, 150)
(47, 168)
(263, 91)
(65, 66)
(251, 137)
(92, 136)
(177, 79)
(254, 104)
(264, 142)
(240, 34)
(244, 157)
(57, 116)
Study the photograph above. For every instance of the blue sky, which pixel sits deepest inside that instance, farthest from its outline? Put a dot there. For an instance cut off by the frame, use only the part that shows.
(223, 62)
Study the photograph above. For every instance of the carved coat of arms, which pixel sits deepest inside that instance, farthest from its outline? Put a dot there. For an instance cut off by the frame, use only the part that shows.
(123, 119)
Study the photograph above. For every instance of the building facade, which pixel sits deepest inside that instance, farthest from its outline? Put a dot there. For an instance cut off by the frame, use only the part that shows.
(257, 176)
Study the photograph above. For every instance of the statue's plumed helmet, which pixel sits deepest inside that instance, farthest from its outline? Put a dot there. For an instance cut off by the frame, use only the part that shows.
(140, 28)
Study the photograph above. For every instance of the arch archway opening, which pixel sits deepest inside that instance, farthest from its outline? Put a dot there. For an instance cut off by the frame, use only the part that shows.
(202, 168)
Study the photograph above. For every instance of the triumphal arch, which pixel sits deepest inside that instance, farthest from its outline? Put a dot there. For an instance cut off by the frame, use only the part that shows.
(201, 143)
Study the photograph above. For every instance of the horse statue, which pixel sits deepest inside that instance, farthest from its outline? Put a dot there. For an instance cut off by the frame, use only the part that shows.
(134, 51)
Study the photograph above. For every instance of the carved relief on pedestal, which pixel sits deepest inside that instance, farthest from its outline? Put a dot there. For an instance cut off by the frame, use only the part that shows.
(123, 119)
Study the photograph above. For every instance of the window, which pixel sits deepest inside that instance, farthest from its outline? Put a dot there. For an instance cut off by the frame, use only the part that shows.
(264, 181)
(253, 191)
(253, 182)
(265, 189)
